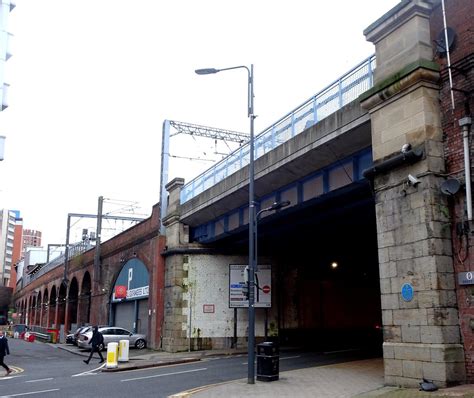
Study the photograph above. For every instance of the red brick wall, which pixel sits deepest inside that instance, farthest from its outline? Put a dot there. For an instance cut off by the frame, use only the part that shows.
(460, 17)
(141, 241)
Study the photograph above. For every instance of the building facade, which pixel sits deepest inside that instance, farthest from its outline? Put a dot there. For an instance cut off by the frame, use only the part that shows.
(31, 238)
(7, 235)
(6, 6)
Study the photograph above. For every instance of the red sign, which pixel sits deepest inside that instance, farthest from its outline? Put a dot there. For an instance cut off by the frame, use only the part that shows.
(120, 291)
(266, 289)
(208, 308)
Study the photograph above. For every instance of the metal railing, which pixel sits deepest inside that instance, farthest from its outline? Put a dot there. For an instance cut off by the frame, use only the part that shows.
(332, 98)
(74, 250)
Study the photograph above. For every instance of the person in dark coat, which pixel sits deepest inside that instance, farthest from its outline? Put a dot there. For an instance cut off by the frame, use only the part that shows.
(97, 342)
(4, 350)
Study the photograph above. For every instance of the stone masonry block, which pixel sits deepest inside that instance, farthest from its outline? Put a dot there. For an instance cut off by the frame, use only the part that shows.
(411, 334)
(443, 316)
(442, 281)
(444, 264)
(388, 270)
(385, 239)
(424, 265)
(410, 317)
(447, 353)
(393, 367)
(455, 372)
(388, 351)
(440, 334)
(429, 298)
(387, 317)
(407, 267)
(412, 369)
(435, 371)
(389, 301)
(383, 255)
(392, 334)
(385, 286)
(417, 200)
(412, 352)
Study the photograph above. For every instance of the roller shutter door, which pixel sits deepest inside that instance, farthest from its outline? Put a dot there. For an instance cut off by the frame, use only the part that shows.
(125, 315)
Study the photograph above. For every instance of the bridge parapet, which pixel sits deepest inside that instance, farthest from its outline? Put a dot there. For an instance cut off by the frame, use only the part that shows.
(327, 101)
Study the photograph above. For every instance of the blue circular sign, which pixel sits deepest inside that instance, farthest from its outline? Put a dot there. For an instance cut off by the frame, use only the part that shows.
(407, 292)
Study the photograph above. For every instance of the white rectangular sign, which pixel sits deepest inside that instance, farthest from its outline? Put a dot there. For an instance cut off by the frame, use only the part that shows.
(263, 286)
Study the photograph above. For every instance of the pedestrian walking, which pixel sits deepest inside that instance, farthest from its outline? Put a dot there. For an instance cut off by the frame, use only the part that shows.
(4, 350)
(97, 342)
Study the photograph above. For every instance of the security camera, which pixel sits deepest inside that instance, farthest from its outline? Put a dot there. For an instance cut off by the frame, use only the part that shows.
(406, 148)
(413, 180)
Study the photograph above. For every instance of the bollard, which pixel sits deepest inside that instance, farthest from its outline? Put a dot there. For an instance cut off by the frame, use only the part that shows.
(112, 353)
(123, 350)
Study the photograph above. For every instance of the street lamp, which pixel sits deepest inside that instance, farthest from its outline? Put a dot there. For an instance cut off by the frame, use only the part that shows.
(252, 259)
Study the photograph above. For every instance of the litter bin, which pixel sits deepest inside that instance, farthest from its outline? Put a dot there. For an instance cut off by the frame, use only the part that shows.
(268, 361)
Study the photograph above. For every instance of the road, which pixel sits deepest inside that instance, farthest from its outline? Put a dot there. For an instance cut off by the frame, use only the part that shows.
(42, 370)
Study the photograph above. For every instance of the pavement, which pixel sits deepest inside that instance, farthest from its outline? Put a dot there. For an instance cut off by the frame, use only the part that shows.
(361, 379)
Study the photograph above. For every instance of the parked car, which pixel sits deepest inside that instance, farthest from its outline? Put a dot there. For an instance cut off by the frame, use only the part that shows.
(71, 338)
(81, 329)
(112, 334)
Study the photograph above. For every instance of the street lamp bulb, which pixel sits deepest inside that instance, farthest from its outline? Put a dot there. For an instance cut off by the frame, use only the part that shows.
(206, 71)
(334, 265)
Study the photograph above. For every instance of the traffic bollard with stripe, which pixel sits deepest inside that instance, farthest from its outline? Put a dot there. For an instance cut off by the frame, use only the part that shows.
(112, 355)
(123, 350)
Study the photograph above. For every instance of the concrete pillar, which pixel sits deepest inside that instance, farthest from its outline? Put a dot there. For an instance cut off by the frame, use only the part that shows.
(421, 334)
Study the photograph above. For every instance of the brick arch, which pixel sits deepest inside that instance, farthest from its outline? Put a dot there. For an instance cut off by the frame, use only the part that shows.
(39, 308)
(44, 319)
(85, 299)
(72, 303)
(52, 306)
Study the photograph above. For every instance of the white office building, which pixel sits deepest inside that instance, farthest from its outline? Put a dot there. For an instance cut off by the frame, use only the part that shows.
(6, 39)
(7, 234)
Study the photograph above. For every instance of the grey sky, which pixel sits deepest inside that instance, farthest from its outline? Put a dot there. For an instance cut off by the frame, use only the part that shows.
(92, 82)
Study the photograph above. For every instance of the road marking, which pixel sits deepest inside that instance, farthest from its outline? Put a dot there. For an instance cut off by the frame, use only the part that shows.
(34, 381)
(88, 372)
(339, 351)
(29, 393)
(10, 377)
(165, 374)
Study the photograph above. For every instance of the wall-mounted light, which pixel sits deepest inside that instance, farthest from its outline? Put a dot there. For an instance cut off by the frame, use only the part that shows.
(334, 265)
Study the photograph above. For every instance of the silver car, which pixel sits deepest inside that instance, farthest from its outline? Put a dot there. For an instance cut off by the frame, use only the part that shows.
(112, 334)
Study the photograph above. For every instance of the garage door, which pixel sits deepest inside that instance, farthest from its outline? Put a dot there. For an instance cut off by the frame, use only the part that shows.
(125, 315)
(142, 322)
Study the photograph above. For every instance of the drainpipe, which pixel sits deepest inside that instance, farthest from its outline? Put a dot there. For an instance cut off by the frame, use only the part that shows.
(465, 124)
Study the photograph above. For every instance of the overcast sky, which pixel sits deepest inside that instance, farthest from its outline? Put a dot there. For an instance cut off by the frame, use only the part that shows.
(93, 80)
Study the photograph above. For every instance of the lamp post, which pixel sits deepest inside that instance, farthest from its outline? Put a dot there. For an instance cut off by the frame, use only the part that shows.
(252, 259)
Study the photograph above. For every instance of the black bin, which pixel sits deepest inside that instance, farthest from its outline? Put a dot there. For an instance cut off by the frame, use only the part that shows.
(268, 361)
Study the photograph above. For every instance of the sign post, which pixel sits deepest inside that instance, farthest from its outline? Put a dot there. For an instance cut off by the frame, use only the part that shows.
(262, 289)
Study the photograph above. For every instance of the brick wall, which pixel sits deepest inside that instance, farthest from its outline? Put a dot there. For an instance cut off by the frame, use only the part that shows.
(141, 241)
(459, 16)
